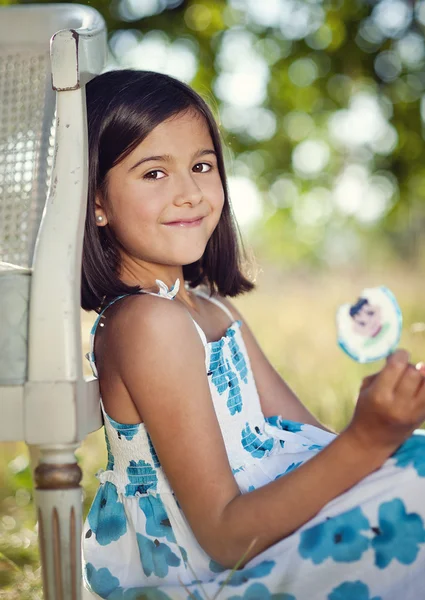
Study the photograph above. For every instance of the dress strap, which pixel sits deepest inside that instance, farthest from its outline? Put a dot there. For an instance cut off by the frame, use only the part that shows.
(201, 332)
(164, 292)
(216, 302)
(90, 355)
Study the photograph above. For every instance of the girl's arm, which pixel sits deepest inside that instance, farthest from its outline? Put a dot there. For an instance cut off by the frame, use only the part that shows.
(156, 351)
(276, 397)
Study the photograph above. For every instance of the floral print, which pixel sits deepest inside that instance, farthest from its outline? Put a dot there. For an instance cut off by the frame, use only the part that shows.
(355, 590)
(258, 591)
(366, 544)
(412, 452)
(107, 517)
(340, 538)
(102, 582)
(157, 521)
(142, 478)
(224, 379)
(244, 575)
(253, 444)
(155, 556)
(399, 534)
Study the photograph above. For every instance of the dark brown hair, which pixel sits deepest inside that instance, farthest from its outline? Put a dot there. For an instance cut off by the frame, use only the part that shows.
(123, 107)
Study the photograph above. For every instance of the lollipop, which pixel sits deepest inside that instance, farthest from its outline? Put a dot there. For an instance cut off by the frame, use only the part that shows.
(370, 329)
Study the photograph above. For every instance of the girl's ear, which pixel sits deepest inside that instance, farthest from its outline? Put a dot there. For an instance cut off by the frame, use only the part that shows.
(100, 214)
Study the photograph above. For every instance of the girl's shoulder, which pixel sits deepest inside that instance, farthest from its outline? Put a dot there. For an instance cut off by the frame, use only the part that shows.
(140, 314)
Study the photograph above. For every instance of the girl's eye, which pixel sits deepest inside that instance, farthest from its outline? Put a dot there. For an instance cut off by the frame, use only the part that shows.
(202, 168)
(154, 175)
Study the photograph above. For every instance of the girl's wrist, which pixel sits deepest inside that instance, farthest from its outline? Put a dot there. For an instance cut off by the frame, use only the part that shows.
(363, 446)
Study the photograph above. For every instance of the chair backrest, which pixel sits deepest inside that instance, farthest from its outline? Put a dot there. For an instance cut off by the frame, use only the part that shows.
(27, 105)
(47, 55)
(27, 118)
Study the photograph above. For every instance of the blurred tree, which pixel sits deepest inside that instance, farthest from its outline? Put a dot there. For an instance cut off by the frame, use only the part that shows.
(322, 107)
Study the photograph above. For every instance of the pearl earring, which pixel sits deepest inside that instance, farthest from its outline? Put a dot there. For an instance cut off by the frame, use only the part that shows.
(99, 218)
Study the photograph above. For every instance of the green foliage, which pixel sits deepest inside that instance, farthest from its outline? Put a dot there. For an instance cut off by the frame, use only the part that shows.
(318, 64)
(311, 80)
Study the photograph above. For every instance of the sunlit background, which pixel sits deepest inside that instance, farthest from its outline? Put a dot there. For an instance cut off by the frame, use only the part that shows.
(322, 110)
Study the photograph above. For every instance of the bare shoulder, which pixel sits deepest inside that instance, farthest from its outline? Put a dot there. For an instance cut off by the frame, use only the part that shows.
(145, 325)
(144, 313)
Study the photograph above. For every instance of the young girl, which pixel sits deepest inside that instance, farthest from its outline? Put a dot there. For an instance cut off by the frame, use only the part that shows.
(212, 460)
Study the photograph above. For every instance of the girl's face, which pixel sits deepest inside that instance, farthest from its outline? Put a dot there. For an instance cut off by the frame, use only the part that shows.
(165, 198)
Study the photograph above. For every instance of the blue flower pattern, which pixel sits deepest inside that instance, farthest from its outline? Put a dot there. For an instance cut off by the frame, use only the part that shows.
(243, 575)
(291, 467)
(153, 453)
(412, 452)
(284, 425)
(128, 431)
(195, 595)
(339, 538)
(139, 593)
(183, 553)
(238, 358)
(352, 590)
(101, 581)
(224, 378)
(155, 556)
(111, 459)
(258, 591)
(315, 447)
(253, 444)
(106, 517)
(215, 567)
(157, 521)
(398, 535)
(142, 478)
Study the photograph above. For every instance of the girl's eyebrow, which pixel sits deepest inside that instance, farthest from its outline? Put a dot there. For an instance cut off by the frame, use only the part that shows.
(168, 158)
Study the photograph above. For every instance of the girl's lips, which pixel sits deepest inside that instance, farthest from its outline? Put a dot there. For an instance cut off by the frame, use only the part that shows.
(194, 223)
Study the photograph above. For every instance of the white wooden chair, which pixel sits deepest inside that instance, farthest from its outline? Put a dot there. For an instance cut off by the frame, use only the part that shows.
(44, 398)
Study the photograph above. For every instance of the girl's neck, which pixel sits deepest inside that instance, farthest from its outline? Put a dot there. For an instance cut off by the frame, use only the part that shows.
(145, 275)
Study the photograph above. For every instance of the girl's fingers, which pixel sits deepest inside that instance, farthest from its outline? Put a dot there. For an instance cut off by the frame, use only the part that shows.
(393, 371)
(421, 368)
(409, 382)
(367, 381)
(420, 393)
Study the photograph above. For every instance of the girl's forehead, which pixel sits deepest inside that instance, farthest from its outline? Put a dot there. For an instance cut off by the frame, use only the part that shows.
(183, 129)
(181, 136)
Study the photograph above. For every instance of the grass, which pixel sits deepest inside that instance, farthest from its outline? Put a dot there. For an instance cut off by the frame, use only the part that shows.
(293, 318)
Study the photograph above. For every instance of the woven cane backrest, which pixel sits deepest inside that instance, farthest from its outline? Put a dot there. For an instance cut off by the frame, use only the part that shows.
(27, 105)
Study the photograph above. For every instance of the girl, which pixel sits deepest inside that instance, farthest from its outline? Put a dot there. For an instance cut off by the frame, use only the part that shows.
(212, 460)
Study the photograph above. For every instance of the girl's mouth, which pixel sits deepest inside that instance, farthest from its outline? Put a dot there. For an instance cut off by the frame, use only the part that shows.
(191, 223)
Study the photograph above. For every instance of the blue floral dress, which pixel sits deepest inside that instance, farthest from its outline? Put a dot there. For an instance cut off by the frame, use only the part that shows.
(367, 544)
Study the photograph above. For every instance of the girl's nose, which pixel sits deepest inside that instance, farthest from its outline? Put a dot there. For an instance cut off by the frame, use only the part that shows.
(187, 191)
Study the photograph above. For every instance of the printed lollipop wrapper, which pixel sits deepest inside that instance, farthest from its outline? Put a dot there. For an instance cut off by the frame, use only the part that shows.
(370, 329)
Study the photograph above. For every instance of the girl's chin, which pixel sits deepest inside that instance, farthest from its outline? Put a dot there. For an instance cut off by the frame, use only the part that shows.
(187, 258)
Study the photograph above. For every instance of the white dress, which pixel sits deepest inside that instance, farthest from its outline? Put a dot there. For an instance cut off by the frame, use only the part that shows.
(367, 544)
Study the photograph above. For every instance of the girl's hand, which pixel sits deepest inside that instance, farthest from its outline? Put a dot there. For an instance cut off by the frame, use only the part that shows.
(391, 404)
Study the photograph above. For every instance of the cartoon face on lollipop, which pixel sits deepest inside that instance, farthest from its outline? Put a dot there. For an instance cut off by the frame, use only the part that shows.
(370, 329)
(366, 318)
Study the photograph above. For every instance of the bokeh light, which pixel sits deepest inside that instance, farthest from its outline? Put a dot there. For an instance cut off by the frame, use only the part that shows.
(310, 157)
(245, 199)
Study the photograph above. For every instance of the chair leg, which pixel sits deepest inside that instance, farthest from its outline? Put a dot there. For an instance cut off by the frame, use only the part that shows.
(58, 500)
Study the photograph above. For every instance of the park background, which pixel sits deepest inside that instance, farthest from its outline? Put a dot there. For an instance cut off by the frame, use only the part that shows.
(322, 110)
